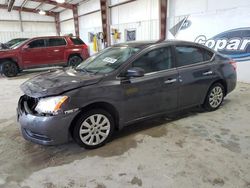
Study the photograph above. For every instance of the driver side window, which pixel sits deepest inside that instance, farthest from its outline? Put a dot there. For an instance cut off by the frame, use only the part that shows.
(155, 60)
(40, 43)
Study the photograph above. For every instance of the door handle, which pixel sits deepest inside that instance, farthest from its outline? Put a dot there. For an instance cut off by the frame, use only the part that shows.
(170, 81)
(56, 50)
(207, 73)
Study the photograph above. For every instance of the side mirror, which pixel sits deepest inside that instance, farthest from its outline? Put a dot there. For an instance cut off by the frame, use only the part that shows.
(135, 72)
(26, 47)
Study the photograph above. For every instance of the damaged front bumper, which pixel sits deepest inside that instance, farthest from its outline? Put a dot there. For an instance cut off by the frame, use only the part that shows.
(45, 130)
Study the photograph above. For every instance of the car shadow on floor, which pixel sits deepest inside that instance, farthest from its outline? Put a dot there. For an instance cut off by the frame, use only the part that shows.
(33, 157)
(160, 121)
(26, 74)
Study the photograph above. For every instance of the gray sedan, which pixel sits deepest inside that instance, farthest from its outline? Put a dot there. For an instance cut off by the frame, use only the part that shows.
(119, 86)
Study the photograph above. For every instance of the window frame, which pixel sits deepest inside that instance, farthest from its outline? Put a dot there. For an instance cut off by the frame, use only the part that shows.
(149, 49)
(71, 39)
(193, 64)
(47, 42)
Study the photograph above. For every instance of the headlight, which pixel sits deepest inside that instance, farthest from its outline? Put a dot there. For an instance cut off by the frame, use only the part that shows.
(50, 105)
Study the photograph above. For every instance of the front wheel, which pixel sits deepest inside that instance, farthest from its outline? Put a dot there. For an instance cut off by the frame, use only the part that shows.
(214, 97)
(9, 69)
(93, 129)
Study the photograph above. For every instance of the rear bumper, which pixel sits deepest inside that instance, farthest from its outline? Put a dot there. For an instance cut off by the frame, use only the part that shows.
(45, 130)
(231, 82)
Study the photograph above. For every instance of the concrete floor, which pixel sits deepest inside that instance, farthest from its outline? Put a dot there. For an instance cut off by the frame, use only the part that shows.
(198, 149)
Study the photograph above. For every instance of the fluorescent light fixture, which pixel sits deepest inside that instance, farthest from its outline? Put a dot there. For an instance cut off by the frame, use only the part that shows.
(60, 1)
(42, 12)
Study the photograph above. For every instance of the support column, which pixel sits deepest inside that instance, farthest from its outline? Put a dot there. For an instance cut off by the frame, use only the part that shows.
(163, 19)
(76, 21)
(105, 14)
(57, 21)
(20, 20)
(10, 5)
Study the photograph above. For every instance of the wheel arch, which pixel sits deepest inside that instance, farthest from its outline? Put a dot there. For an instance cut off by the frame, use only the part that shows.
(222, 82)
(74, 54)
(97, 105)
(2, 60)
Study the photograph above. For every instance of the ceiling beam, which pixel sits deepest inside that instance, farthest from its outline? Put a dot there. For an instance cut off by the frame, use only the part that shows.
(10, 5)
(54, 8)
(64, 5)
(121, 3)
(39, 6)
(24, 9)
(24, 3)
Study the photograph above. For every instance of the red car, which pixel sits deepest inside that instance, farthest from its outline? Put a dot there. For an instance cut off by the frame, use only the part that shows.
(43, 52)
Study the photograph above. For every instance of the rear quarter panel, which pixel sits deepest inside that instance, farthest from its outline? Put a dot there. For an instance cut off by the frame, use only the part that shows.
(225, 71)
(71, 48)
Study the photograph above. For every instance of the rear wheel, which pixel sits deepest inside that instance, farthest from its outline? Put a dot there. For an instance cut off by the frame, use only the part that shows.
(9, 69)
(214, 97)
(93, 129)
(74, 60)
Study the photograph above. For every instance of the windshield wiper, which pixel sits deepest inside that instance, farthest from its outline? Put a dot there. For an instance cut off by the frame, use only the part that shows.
(84, 70)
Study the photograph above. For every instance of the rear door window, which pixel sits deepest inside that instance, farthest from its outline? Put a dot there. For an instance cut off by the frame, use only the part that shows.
(77, 41)
(188, 55)
(39, 43)
(56, 42)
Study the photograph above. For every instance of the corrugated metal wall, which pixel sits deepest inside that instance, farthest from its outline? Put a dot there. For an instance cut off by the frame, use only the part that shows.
(33, 25)
(142, 15)
(6, 36)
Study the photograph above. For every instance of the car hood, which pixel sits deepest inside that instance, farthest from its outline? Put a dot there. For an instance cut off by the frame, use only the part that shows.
(4, 49)
(58, 81)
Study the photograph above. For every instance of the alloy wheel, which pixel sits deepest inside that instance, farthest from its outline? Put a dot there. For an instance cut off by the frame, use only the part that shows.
(216, 97)
(94, 129)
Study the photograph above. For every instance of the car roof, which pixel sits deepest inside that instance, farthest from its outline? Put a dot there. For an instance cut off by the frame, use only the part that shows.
(137, 44)
(145, 44)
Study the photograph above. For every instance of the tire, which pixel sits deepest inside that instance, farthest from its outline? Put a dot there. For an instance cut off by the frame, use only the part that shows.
(74, 60)
(9, 69)
(93, 129)
(214, 97)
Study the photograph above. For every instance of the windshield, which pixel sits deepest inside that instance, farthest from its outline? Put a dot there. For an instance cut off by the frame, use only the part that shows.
(15, 46)
(108, 60)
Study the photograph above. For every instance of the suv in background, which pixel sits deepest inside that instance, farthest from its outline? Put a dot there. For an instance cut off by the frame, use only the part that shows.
(43, 52)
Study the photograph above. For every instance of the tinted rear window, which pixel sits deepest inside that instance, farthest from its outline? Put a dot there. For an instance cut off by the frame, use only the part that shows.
(77, 41)
(187, 55)
(56, 42)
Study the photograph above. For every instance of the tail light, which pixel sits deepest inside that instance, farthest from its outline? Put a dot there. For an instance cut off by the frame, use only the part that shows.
(85, 46)
(85, 51)
(234, 64)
